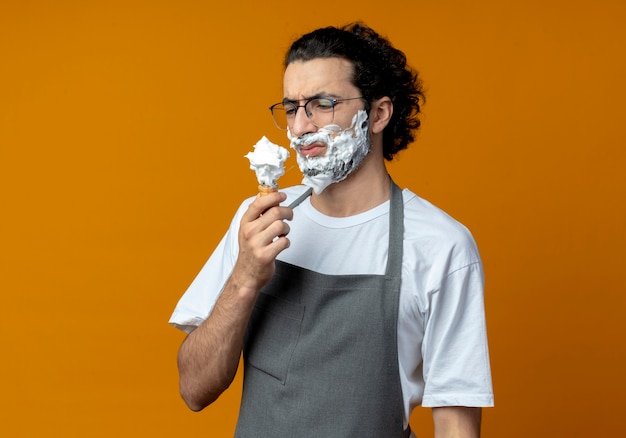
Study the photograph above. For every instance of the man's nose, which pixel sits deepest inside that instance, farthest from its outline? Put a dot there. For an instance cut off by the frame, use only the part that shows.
(301, 124)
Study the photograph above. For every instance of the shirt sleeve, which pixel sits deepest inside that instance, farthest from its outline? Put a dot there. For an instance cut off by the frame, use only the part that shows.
(455, 350)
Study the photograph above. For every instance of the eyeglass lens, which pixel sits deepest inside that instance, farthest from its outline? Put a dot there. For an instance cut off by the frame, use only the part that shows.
(319, 111)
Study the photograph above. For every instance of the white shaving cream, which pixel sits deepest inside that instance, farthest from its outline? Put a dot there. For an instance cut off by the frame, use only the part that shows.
(268, 161)
(345, 151)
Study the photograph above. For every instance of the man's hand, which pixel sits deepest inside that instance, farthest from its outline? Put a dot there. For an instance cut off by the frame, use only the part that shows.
(262, 236)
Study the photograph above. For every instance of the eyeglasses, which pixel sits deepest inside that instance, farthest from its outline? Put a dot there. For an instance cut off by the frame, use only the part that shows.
(319, 110)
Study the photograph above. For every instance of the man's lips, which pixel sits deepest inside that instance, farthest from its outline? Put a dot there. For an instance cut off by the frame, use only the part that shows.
(312, 150)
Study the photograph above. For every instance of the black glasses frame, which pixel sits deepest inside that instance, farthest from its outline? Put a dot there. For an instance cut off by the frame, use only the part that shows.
(287, 103)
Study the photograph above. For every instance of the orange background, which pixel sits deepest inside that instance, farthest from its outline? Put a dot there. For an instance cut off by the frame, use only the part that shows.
(123, 126)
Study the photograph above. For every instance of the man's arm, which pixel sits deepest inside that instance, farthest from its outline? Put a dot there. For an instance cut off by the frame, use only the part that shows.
(209, 356)
(457, 422)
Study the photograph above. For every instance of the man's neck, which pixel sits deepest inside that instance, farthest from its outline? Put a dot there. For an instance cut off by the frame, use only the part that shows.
(364, 189)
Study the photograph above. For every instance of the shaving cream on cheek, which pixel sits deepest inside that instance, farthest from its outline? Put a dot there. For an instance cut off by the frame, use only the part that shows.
(345, 151)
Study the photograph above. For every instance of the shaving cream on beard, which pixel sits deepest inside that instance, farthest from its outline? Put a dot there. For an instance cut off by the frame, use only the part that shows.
(345, 151)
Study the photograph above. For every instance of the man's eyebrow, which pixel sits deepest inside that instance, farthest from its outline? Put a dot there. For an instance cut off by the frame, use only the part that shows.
(321, 94)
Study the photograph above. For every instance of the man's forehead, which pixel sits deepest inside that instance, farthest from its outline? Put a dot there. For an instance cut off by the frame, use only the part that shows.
(317, 77)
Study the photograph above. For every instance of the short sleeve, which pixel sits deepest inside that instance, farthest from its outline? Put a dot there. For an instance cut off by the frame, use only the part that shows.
(455, 350)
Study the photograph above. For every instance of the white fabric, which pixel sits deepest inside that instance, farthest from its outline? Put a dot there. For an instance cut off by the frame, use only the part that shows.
(442, 344)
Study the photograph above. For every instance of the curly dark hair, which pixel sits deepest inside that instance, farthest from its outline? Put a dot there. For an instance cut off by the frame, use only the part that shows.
(379, 70)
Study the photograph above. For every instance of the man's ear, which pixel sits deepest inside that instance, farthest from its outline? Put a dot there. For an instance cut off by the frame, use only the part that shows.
(380, 114)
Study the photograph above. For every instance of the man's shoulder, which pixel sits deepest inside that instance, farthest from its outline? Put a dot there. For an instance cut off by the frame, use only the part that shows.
(427, 224)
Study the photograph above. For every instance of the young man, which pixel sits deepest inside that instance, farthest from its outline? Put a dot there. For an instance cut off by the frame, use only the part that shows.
(361, 303)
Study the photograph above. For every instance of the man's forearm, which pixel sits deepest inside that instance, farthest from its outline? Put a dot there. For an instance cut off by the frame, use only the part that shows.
(457, 422)
(209, 356)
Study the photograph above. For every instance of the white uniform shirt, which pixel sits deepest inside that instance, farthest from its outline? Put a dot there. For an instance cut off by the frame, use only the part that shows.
(442, 342)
